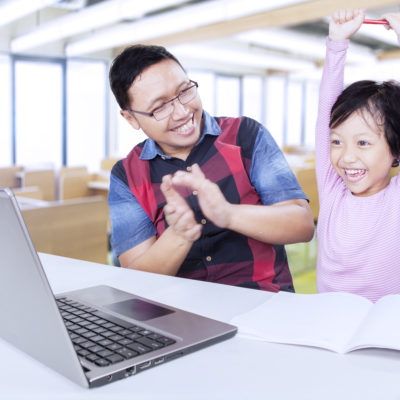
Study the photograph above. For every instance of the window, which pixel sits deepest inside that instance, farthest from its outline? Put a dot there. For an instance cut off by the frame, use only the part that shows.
(275, 108)
(252, 97)
(38, 112)
(5, 112)
(87, 113)
(206, 81)
(294, 113)
(228, 96)
(310, 111)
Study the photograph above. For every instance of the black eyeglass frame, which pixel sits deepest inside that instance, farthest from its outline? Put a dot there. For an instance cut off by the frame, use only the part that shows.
(151, 114)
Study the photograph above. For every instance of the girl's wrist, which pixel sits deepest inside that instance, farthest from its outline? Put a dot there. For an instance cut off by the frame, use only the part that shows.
(337, 38)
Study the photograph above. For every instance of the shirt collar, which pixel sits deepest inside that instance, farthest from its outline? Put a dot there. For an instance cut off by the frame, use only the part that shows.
(151, 149)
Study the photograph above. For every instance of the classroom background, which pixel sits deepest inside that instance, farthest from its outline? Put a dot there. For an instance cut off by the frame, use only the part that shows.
(60, 128)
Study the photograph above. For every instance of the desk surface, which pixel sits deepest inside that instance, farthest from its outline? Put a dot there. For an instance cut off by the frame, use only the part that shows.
(234, 369)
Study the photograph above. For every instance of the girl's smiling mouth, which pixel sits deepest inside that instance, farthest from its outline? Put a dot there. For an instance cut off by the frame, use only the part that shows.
(354, 175)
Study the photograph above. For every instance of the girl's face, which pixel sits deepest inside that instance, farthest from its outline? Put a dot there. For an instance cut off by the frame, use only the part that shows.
(361, 155)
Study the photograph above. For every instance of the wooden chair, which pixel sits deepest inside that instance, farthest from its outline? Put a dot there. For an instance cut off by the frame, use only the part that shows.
(308, 182)
(74, 228)
(73, 185)
(44, 179)
(298, 149)
(106, 164)
(394, 171)
(9, 176)
(68, 170)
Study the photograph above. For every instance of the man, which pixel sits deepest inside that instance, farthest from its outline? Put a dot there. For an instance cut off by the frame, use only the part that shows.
(203, 198)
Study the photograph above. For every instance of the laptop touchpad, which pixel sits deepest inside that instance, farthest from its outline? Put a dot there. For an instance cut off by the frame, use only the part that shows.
(138, 309)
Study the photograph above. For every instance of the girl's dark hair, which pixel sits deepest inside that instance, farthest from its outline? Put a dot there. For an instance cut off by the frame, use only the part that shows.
(131, 63)
(380, 99)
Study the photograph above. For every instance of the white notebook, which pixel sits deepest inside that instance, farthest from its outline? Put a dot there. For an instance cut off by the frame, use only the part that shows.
(341, 322)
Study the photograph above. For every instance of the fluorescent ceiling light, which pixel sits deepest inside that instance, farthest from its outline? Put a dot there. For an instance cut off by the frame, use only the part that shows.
(89, 18)
(239, 56)
(301, 44)
(171, 22)
(12, 10)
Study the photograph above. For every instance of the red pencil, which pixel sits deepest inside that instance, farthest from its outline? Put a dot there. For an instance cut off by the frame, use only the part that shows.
(376, 21)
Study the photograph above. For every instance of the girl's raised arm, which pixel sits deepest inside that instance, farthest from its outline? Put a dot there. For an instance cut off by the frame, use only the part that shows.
(343, 24)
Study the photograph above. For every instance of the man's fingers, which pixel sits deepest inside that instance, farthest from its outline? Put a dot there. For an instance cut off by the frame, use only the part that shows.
(194, 179)
(170, 194)
(196, 170)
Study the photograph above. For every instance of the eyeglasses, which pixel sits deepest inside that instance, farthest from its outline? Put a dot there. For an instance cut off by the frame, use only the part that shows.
(184, 96)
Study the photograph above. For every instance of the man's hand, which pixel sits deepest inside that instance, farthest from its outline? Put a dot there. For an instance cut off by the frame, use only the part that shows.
(211, 200)
(178, 214)
(344, 23)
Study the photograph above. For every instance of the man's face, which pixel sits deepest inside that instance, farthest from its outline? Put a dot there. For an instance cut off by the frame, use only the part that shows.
(180, 131)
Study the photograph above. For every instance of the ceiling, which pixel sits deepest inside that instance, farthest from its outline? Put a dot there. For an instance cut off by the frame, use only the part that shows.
(252, 35)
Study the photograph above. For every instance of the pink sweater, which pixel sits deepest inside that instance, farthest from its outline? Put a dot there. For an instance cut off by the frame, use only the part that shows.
(358, 237)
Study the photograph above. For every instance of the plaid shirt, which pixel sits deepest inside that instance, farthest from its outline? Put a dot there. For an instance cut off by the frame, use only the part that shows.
(219, 255)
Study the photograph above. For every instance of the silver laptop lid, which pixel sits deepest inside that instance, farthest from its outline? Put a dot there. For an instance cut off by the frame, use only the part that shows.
(29, 316)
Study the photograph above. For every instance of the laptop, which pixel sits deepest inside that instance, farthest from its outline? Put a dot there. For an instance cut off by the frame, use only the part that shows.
(92, 336)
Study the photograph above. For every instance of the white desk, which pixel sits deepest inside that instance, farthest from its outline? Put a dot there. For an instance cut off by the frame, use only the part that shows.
(234, 369)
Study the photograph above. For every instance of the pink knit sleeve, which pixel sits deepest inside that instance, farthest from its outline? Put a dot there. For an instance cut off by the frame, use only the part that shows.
(330, 88)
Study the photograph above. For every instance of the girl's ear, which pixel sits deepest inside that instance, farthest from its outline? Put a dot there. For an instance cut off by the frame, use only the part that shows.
(395, 163)
(130, 118)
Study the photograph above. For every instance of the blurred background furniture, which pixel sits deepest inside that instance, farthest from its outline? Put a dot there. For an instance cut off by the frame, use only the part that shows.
(44, 179)
(75, 228)
(9, 176)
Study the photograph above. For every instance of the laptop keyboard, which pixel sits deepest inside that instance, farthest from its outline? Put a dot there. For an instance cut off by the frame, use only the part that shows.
(104, 339)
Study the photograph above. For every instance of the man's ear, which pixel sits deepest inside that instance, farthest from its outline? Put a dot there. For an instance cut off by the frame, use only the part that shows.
(130, 118)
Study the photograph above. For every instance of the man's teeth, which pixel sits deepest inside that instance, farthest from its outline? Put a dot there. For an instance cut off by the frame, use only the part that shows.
(185, 127)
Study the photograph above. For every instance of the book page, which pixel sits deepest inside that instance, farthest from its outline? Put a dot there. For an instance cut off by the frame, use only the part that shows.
(325, 320)
(382, 326)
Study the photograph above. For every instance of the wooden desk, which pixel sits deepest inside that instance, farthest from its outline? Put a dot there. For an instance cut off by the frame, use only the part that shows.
(236, 369)
(99, 187)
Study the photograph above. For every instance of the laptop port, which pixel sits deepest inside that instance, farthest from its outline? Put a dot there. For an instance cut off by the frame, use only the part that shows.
(143, 366)
(158, 361)
(129, 371)
(174, 355)
(109, 377)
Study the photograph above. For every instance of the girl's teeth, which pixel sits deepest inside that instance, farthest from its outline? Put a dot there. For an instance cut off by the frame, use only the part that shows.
(353, 171)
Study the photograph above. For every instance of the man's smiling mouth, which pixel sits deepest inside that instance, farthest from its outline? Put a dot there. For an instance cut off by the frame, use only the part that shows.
(186, 128)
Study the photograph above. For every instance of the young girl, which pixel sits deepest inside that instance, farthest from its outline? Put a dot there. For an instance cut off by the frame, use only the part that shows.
(357, 143)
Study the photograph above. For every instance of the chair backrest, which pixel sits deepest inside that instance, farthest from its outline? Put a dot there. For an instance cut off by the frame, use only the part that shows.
(394, 171)
(44, 179)
(73, 185)
(74, 228)
(68, 170)
(106, 164)
(308, 182)
(9, 176)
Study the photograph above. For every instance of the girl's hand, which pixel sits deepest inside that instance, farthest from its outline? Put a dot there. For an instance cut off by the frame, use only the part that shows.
(394, 22)
(344, 23)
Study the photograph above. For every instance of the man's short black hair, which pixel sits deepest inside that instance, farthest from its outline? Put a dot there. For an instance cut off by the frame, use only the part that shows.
(131, 63)
(380, 99)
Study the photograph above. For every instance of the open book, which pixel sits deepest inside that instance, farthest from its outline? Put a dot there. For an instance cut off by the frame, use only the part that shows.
(340, 322)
